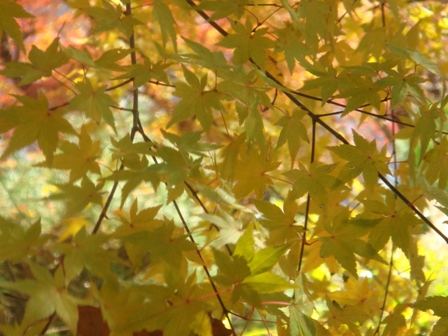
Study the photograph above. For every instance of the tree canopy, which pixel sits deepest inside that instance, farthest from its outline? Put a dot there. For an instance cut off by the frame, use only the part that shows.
(223, 167)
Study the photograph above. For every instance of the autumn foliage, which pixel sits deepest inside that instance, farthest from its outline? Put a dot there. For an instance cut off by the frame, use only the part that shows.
(223, 167)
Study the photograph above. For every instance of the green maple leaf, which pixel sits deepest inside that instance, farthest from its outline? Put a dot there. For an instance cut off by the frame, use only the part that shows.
(8, 11)
(138, 220)
(188, 143)
(42, 64)
(196, 101)
(250, 174)
(48, 294)
(317, 181)
(290, 43)
(266, 283)
(134, 177)
(82, 56)
(87, 251)
(108, 60)
(344, 241)
(402, 85)
(426, 128)
(17, 242)
(95, 102)
(417, 57)
(327, 79)
(110, 17)
(78, 197)
(392, 222)
(293, 131)
(211, 60)
(438, 304)
(224, 8)
(282, 225)
(176, 166)
(162, 14)
(165, 244)
(230, 229)
(232, 269)
(131, 155)
(79, 159)
(143, 73)
(437, 164)
(248, 44)
(363, 90)
(248, 96)
(129, 309)
(362, 158)
(260, 261)
(33, 121)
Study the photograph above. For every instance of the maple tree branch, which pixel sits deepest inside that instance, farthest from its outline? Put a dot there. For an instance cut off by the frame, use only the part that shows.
(47, 325)
(308, 201)
(204, 267)
(316, 118)
(136, 121)
(386, 289)
(412, 207)
(119, 85)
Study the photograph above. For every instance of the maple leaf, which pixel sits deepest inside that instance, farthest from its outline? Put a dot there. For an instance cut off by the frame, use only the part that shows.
(111, 17)
(230, 229)
(361, 91)
(211, 60)
(402, 85)
(357, 293)
(79, 196)
(195, 100)
(317, 22)
(317, 181)
(129, 309)
(189, 143)
(34, 121)
(138, 174)
(222, 9)
(18, 242)
(438, 304)
(250, 174)
(437, 164)
(293, 131)
(248, 44)
(392, 221)
(166, 244)
(143, 73)
(8, 11)
(281, 224)
(87, 251)
(362, 158)
(417, 58)
(48, 294)
(164, 16)
(138, 220)
(108, 60)
(95, 102)
(395, 321)
(42, 64)
(176, 166)
(79, 159)
(131, 154)
(343, 241)
(425, 127)
(327, 79)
